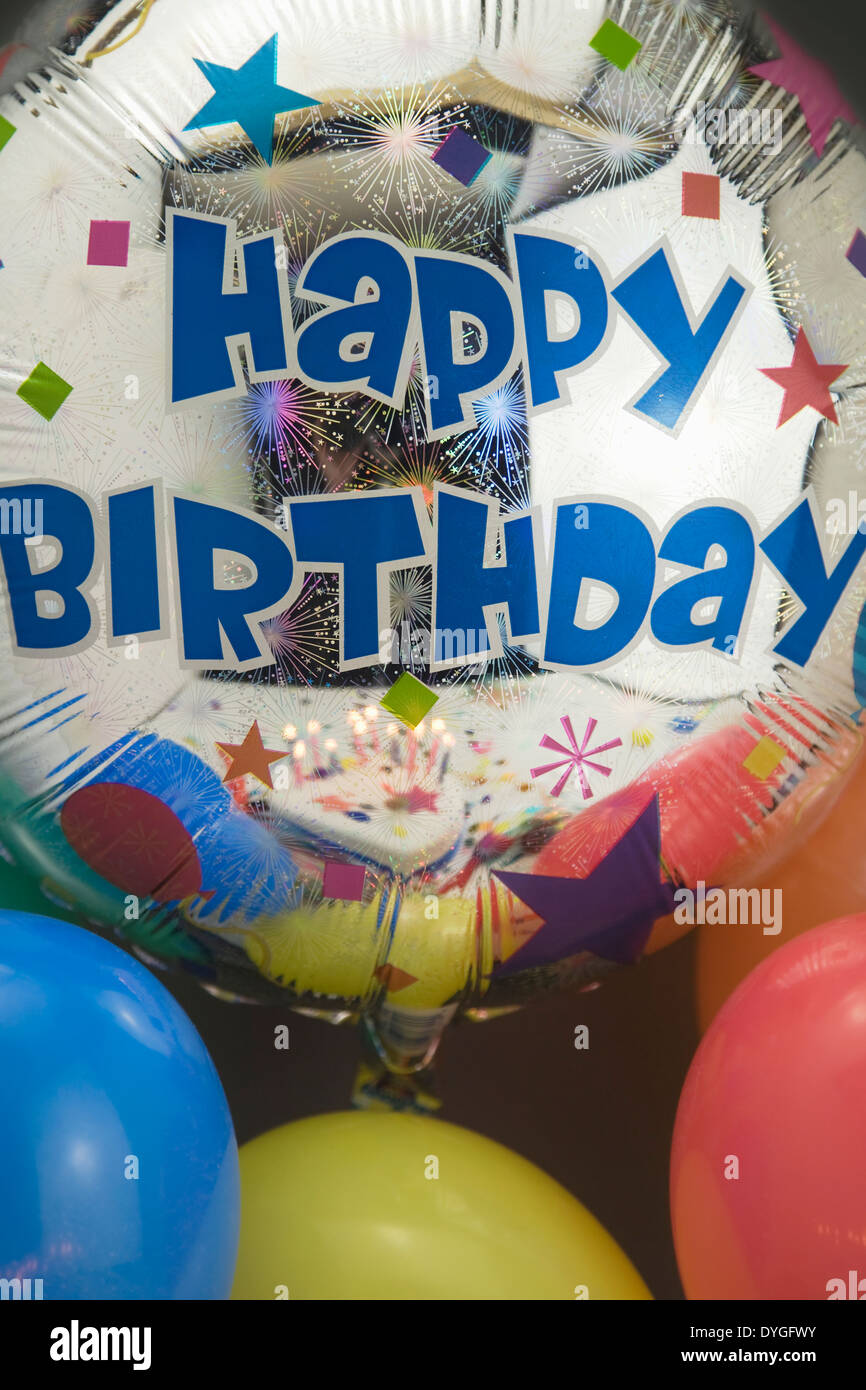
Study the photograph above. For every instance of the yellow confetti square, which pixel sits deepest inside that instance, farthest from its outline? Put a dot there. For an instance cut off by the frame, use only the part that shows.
(764, 758)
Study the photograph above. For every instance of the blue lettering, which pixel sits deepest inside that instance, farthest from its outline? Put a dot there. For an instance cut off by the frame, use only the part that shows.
(614, 550)
(547, 269)
(361, 537)
(133, 563)
(363, 343)
(651, 298)
(795, 551)
(69, 624)
(468, 580)
(201, 532)
(210, 317)
(467, 336)
(688, 542)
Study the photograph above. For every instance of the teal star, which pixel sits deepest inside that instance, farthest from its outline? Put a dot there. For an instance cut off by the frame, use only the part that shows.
(249, 95)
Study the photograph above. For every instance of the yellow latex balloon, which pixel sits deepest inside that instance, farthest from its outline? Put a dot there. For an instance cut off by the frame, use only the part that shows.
(362, 1205)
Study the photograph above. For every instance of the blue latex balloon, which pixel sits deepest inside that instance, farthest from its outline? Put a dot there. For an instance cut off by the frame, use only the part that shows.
(118, 1164)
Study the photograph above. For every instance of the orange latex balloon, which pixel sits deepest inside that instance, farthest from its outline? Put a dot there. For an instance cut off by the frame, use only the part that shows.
(769, 1149)
(822, 878)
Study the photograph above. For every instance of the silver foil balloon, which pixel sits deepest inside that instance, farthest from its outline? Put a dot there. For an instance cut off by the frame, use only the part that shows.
(116, 762)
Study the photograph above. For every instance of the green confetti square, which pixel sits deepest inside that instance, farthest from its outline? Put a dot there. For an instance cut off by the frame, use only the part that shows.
(7, 130)
(409, 699)
(617, 45)
(44, 391)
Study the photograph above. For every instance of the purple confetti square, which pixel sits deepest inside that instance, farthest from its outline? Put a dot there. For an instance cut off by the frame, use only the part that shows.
(856, 252)
(109, 243)
(343, 881)
(460, 155)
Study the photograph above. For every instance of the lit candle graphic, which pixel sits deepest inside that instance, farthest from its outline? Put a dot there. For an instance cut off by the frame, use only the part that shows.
(314, 728)
(298, 756)
(415, 736)
(371, 714)
(437, 728)
(448, 744)
(394, 745)
(359, 728)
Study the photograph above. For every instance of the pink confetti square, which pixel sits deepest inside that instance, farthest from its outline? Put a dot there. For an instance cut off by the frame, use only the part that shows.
(109, 243)
(343, 881)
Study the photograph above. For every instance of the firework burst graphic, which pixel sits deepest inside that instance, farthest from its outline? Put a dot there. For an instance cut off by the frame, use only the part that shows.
(78, 440)
(416, 44)
(506, 672)
(531, 67)
(411, 597)
(609, 142)
(303, 231)
(198, 715)
(299, 183)
(410, 463)
(695, 19)
(286, 429)
(494, 456)
(406, 425)
(447, 220)
(383, 145)
(305, 639)
(644, 720)
(191, 454)
(55, 200)
(119, 696)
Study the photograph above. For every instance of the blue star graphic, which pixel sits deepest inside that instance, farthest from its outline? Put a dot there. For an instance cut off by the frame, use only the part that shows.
(249, 95)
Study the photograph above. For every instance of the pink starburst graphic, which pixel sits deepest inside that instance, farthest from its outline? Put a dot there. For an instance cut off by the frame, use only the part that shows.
(577, 757)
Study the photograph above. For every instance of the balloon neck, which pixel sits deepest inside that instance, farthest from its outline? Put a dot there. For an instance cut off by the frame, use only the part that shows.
(396, 1067)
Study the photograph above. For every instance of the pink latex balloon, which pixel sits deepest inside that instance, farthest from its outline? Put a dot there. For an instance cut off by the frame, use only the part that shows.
(768, 1167)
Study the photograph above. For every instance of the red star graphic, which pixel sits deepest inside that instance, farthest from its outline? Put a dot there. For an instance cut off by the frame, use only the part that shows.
(811, 82)
(251, 757)
(805, 382)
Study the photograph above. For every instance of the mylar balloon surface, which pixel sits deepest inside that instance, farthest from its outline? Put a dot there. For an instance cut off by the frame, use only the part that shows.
(429, 489)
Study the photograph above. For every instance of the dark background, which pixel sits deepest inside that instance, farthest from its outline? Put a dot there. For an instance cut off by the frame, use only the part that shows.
(600, 1120)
